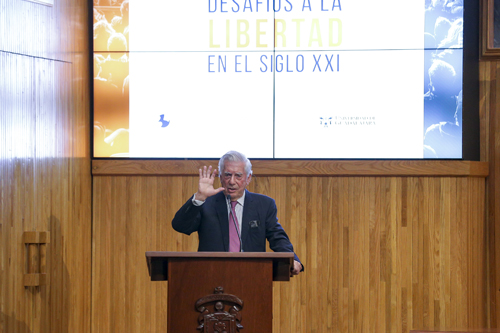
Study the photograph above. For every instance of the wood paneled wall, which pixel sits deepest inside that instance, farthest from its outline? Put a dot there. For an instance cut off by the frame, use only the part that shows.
(45, 179)
(382, 253)
(490, 151)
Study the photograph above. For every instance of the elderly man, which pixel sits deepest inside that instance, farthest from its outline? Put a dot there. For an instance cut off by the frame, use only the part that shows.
(231, 218)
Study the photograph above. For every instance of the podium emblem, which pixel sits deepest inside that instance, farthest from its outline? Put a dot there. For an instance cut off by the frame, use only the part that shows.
(219, 313)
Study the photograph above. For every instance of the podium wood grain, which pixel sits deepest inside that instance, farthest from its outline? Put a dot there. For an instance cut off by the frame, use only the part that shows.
(249, 280)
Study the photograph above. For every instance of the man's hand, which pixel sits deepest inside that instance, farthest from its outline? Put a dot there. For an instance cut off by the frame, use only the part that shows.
(297, 267)
(206, 184)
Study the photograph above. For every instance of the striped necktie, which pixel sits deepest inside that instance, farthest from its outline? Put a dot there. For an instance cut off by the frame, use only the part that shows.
(234, 239)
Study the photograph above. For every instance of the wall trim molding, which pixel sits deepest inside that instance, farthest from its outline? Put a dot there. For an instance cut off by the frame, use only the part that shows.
(429, 168)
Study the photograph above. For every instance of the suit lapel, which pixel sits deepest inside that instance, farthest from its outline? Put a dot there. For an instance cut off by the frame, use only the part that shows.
(248, 207)
(222, 213)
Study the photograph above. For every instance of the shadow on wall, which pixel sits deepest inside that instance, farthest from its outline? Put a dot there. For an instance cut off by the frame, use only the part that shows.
(11, 324)
(57, 308)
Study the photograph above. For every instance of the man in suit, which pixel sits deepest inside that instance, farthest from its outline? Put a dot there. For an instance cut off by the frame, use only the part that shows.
(214, 212)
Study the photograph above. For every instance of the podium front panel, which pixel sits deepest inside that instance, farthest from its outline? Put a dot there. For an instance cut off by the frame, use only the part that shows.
(250, 280)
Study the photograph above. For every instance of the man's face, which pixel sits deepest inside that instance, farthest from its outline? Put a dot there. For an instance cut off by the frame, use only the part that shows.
(234, 179)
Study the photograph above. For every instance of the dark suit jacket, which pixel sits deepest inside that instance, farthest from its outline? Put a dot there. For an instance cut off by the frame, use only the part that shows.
(211, 222)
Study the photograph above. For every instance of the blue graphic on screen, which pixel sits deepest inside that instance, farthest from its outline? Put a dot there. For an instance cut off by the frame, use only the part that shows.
(325, 121)
(164, 123)
(443, 79)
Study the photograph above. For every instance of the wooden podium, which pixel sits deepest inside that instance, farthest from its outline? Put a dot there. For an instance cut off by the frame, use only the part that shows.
(219, 291)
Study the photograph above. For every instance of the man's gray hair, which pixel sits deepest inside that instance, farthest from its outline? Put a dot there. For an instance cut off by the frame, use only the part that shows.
(234, 156)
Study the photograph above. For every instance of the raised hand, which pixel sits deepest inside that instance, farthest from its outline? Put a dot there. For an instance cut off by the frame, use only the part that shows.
(206, 184)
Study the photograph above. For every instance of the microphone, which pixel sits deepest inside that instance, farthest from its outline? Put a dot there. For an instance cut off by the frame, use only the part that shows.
(234, 221)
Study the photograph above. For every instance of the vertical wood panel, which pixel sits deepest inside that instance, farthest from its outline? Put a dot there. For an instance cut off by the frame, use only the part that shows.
(490, 152)
(45, 177)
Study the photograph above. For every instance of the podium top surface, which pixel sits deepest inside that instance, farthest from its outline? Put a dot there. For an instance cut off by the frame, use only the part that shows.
(265, 255)
(458, 330)
(158, 261)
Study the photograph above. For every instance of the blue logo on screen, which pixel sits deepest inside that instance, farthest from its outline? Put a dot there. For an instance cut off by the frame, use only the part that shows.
(326, 121)
(164, 123)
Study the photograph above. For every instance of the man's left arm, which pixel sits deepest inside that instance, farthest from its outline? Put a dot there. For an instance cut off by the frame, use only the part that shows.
(278, 239)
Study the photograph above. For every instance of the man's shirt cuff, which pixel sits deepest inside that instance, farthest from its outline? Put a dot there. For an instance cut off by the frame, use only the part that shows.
(197, 202)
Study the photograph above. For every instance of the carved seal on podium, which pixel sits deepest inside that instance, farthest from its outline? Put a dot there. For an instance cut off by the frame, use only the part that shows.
(214, 318)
